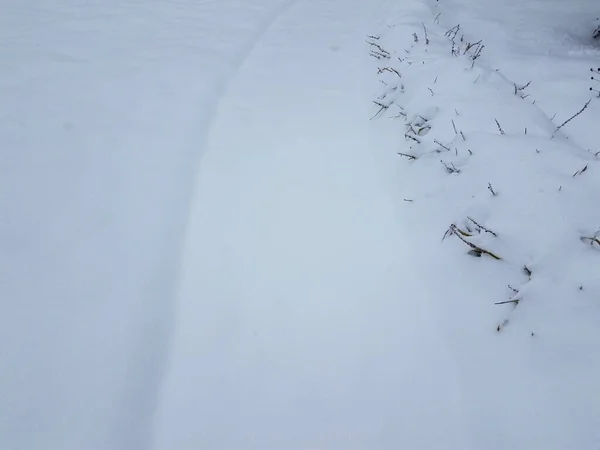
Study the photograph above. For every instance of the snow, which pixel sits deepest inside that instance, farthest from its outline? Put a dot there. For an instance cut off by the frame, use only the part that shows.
(528, 371)
(294, 227)
(206, 243)
(105, 107)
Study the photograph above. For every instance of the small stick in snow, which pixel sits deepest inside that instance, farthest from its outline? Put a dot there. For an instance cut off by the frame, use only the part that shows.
(441, 145)
(515, 301)
(481, 227)
(454, 126)
(455, 50)
(378, 47)
(580, 171)
(572, 117)
(519, 90)
(406, 135)
(454, 229)
(382, 107)
(499, 127)
(477, 250)
(425, 30)
(388, 69)
(494, 193)
(406, 155)
(379, 55)
(452, 32)
(469, 46)
(502, 325)
(477, 52)
(452, 168)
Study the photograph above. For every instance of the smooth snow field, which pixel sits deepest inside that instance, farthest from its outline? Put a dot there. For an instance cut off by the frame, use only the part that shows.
(224, 225)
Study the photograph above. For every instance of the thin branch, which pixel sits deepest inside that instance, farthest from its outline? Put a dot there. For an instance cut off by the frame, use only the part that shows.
(499, 127)
(580, 171)
(382, 107)
(378, 47)
(406, 135)
(406, 155)
(482, 227)
(478, 250)
(572, 117)
(441, 145)
(450, 168)
(515, 301)
(388, 69)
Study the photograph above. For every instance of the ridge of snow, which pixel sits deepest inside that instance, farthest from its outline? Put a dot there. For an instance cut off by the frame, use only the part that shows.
(524, 329)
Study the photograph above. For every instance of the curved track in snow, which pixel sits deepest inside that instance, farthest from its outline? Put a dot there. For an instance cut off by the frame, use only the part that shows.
(297, 323)
(274, 306)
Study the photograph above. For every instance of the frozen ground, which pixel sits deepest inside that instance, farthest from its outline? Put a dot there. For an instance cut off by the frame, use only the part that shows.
(206, 243)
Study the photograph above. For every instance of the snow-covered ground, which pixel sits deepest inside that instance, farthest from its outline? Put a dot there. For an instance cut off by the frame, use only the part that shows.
(483, 165)
(207, 243)
(105, 107)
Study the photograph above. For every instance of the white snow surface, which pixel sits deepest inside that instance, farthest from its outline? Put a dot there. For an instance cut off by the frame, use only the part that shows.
(209, 238)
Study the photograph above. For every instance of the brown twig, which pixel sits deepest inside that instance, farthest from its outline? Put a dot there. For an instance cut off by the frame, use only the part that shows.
(455, 230)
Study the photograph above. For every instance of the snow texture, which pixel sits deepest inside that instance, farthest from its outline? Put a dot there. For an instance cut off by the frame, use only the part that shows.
(309, 224)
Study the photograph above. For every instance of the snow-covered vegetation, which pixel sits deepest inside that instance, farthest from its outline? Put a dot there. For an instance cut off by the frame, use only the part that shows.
(487, 107)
